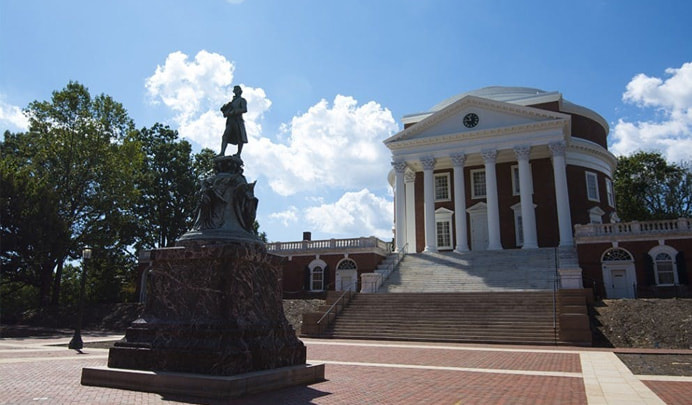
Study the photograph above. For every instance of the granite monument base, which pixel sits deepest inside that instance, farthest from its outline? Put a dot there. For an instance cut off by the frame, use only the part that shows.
(212, 309)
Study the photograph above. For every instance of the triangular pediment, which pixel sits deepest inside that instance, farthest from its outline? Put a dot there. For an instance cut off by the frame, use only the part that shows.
(474, 117)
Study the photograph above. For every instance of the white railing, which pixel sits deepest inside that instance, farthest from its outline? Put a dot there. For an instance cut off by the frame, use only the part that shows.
(683, 225)
(328, 244)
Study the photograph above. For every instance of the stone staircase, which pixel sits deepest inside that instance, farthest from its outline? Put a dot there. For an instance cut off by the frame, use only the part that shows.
(490, 297)
(503, 270)
(499, 317)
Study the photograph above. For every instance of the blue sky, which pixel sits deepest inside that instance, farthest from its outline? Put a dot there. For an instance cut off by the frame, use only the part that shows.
(327, 81)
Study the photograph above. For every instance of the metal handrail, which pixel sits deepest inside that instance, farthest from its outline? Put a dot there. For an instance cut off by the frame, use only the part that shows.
(348, 291)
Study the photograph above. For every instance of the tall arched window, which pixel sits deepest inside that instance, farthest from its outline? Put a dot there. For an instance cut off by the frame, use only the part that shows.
(317, 279)
(665, 268)
(318, 275)
(665, 272)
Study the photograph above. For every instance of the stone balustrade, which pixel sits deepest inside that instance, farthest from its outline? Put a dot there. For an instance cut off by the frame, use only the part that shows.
(634, 230)
(370, 243)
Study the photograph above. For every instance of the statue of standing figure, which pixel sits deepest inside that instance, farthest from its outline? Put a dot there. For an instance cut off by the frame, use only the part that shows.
(235, 125)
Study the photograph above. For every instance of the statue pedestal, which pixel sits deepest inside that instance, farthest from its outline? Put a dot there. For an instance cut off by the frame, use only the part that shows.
(211, 309)
(213, 319)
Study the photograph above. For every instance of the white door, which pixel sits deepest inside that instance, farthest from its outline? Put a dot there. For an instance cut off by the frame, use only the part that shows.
(346, 280)
(620, 287)
(479, 230)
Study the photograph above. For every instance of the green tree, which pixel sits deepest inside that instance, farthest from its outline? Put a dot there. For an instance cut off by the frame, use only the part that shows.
(31, 232)
(167, 186)
(649, 188)
(82, 151)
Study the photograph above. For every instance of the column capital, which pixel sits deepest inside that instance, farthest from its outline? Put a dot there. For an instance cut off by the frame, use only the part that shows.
(410, 177)
(428, 163)
(399, 166)
(489, 156)
(458, 159)
(523, 152)
(558, 148)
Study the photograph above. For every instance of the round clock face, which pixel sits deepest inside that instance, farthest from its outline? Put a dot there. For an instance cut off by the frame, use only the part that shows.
(470, 120)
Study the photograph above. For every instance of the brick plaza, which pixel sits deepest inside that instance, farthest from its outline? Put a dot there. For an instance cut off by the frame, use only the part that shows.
(43, 370)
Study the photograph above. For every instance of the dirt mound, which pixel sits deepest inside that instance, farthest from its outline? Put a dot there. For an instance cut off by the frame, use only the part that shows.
(644, 323)
(294, 309)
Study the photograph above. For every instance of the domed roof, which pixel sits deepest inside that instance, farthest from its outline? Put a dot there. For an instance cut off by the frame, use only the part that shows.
(525, 96)
(514, 95)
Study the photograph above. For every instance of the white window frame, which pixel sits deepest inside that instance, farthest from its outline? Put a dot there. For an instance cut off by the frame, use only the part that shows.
(591, 176)
(596, 215)
(448, 190)
(515, 180)
(473, 184)
(672, 253)
(444, 216)
(313, 266)
(610, 192)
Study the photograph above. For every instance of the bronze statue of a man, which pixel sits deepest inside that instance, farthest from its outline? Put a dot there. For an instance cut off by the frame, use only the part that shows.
(235, 126)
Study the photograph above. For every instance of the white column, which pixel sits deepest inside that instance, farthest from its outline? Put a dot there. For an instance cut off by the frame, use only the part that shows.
(458, 161)
(528, 213)
(564, 218)
(410, 180)
(399, 204)
(489, 157)
(429, 204)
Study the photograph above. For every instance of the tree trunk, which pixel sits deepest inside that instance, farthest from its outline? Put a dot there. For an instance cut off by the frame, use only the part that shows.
(55, 300)
(44, 283)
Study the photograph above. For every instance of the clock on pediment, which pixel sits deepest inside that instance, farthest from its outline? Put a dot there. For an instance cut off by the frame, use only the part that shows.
(470, 120)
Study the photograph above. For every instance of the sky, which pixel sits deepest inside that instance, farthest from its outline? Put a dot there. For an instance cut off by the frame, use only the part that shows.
(327, 81)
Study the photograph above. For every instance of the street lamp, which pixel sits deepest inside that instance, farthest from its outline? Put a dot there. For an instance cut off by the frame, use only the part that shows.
(76, 342)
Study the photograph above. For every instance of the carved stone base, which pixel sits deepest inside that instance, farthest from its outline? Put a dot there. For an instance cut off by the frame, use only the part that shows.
(211, 309)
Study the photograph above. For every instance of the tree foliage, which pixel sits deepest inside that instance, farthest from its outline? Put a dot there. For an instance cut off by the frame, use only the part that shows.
(79, 150)
(82, 175)
(649, 188)
(167, 184)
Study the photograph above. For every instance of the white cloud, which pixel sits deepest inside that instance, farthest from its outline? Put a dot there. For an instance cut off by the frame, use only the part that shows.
(355, 213)
(672, 99)
(12, 117)
(334, 146)
(331, 148)
(196, 89)
(287, 217)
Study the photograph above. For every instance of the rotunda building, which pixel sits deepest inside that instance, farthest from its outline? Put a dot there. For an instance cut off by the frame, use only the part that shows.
(500, 168)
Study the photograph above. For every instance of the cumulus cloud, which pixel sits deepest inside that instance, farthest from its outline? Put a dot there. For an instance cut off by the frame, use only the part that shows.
(671, 132)
(355, 213)
(333, 145)
(287, 217)
(337, 145)
(330, 149)
(12, 117)
(195, 89)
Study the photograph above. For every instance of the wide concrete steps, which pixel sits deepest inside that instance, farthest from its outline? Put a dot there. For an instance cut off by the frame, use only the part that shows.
(503, 317)
(504, 270)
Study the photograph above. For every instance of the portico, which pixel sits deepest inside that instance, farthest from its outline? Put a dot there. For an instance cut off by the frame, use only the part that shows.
(519, 155)
(488, 173)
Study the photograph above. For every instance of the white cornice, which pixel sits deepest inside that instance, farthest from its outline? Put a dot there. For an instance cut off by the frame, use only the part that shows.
(589, 154)
(538, 126)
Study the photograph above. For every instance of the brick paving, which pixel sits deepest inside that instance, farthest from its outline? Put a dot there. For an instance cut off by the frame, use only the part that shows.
(672, 392)
(33, 371)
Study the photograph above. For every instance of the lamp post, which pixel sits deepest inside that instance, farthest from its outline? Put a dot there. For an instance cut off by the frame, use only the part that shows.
(76, 342)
